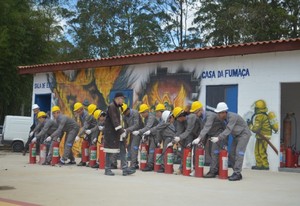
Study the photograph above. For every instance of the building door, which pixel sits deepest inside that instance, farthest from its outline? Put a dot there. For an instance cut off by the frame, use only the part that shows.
(44, 102)
(222, 93)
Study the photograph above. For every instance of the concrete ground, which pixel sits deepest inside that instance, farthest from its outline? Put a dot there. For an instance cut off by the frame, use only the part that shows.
(73, 185)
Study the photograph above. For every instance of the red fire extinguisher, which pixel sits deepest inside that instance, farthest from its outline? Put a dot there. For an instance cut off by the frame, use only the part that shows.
(93, 155)
(289, 157)
(143, 156)
(199, 161)
(287, 129)
(55, 153)
(168, 160)
(295, 159)
(282, 156)
(43, 153)
(187, 161)
(32, 153)
(223, 164)
(101, 157)
(85, 151)
(157, 158)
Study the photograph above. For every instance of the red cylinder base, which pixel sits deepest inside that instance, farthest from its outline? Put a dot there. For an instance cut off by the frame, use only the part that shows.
(157, 159)
(93, 155)
(187, 161)
(32, 153)
(168, 161)
(223, 164)
(85, 151)
(55, 153)
(101, 157)
(143, 156)
(199, 162)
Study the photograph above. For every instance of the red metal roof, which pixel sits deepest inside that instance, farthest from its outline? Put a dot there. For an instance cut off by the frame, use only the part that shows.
(175, 55)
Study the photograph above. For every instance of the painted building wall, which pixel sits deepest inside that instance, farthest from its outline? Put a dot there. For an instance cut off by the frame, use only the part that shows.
(178, 83)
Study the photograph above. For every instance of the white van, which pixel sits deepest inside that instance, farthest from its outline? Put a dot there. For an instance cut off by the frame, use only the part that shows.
(16, 131)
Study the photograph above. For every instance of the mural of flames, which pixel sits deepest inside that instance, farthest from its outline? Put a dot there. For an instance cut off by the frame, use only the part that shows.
(170, 96)
(69, 91)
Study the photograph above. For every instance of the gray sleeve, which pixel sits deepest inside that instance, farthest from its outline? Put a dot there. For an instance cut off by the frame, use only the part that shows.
(149, 125)
(191, 121)
(136, 123)
(207, 126)
(229, 127)
(61, 123)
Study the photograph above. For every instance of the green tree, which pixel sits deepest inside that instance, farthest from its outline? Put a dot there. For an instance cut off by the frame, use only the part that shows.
(25, 38)
(223, 22)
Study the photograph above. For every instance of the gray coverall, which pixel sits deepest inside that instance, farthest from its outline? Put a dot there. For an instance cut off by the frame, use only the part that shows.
(133, 121)
(150, 122)
(88, 122)
(237, 127)
(165, 133)
(71, 128)
(49, 126)
(188, 131)
(213, 126)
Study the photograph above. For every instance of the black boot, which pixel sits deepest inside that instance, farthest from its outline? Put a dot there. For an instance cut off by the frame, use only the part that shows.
(235, 177)
(210, 175)
(161, 170)
(108, 172)
(128, 171)
(81, 164)
(147, 169)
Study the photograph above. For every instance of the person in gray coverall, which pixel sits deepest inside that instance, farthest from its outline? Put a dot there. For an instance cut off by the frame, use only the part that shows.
(89, 122)
(237, 127)
(68, 125)
(150, 121)
(48, 126)
(213, 126)
(188, 127)
(165, 133)
(132, 121)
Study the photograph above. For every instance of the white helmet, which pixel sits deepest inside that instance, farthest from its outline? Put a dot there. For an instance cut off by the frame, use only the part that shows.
(165, 116)
(221, 107)
(35, 106)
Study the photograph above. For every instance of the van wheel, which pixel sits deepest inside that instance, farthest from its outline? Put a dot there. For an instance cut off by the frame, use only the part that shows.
(17, 146)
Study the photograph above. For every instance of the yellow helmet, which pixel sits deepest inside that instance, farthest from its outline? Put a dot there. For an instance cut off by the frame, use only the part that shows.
(160, 107)
(177, 111)
(124, 107)
(195, 106)
(143, 108)
(260, 104)
(41, 114)
(77, 106)
(97, 113)
(91, 108)
(55, 108)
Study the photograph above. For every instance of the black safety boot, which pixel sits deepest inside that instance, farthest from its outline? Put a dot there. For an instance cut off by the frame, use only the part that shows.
(210, 175)
(128, 171)
(71, 162)
(256, 167)
(161, 170)
(81, 164)
(113, 166)
(235, 177)
(95, 166)
(108, 172)
(147, 169)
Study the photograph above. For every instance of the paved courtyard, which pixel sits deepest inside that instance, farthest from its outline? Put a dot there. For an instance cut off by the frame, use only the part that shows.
(73, 185)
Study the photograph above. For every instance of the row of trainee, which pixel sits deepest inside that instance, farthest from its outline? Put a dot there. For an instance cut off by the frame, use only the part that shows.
(124, 130)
